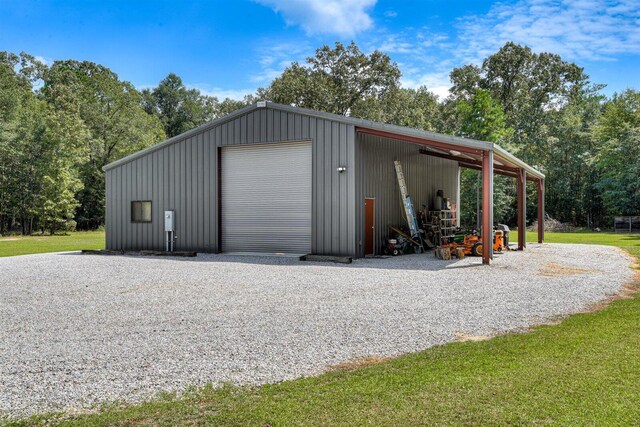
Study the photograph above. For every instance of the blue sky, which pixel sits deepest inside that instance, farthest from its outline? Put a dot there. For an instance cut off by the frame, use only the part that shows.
(229, 48)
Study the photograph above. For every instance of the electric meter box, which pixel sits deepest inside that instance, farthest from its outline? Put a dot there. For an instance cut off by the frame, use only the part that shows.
(169, 222)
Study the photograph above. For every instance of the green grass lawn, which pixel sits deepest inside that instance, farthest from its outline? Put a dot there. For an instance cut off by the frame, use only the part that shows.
(628, 242)
(23, 245)
(582, 371)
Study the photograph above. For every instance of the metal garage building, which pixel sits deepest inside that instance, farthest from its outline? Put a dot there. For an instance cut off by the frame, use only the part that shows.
(275, 178)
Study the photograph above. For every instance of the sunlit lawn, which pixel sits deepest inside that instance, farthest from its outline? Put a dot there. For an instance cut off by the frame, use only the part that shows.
(22, 245)
(629, 242)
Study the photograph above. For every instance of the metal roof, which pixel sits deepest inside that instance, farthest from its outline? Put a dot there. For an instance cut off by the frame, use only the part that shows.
(361, 123)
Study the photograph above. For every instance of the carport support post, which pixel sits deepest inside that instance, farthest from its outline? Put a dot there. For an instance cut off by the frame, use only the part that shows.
(540, 210)
(522, 209)
(487, 206)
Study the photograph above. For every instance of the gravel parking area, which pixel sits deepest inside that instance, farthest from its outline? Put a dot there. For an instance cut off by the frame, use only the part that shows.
(76, 330)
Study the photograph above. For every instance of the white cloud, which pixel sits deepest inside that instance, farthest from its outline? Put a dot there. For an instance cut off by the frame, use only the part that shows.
(274, 57)
(580, 30)
(586, 29)
(345, 18)
(390, 14)
(437, 82)
(396, 44)
(423, 55)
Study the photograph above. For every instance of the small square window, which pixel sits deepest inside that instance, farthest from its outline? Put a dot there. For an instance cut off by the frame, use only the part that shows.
(141, 211)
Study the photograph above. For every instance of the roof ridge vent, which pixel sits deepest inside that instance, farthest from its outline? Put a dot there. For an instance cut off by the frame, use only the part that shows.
(261, 104)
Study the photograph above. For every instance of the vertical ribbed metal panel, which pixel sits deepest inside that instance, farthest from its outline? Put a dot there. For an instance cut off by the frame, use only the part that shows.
(170, 201)
(350, 161)
(111, 211)
(206, 195)
(161, 200)
(195, 195)
(183, 177)
(212, 189)
(128, 183)
(326, 189)
(183, 196)
(136, 176)
(107, 208)
(376, 179)
(200, 192)
(147, 191)
(266, 198)
(118, 227)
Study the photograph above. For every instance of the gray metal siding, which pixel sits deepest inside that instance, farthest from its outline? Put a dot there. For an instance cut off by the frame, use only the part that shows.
(183, 176)
(376, 178)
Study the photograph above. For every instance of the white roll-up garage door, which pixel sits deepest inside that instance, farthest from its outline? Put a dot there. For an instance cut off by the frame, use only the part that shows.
(266, 198)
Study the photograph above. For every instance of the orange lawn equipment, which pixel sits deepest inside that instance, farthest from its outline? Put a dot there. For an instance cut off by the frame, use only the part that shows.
(472, 244)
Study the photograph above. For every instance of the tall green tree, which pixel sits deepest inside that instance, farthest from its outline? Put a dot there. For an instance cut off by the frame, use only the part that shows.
(22, 157)
(416, 108)
(542, 96)
(531, 87)
(178, 108)
(21, 128)
(566, 154)
(40, 146)
(116, 125)
(181, 109)
(228, 105)
(335, 80)
(618, 157)
(13, 89)
(481, 117)
(57, 173)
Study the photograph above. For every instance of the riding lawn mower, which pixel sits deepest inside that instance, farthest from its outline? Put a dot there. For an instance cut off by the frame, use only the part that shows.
(472, 243)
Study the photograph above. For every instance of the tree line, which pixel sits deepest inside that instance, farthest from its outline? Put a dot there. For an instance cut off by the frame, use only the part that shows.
(60, 123)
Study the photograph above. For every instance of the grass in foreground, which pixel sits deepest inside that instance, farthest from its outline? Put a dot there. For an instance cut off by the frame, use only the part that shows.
(583, 371)
(23, 245)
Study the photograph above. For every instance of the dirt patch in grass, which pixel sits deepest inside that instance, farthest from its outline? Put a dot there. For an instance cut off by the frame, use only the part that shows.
(462, 337)
(358, 362)
(628, 291)
(555, 269)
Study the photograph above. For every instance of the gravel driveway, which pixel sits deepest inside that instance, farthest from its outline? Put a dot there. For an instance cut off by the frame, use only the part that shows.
(76, 330)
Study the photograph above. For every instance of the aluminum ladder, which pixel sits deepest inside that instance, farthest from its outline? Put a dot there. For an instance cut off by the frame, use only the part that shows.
(407, 203)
